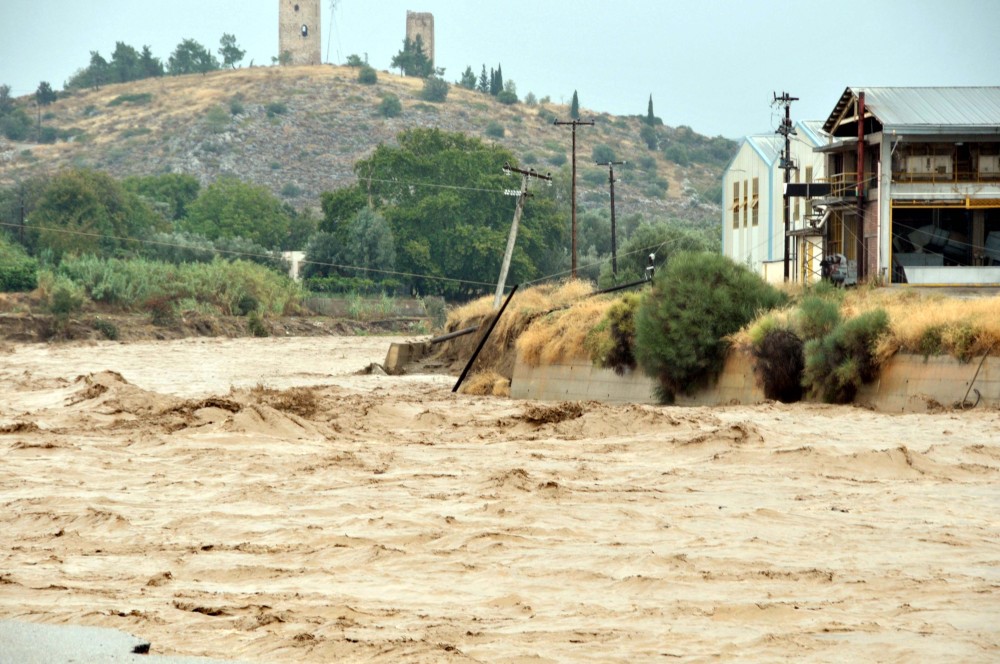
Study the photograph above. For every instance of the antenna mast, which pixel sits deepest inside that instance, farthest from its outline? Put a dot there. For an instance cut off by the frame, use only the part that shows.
(333, 28)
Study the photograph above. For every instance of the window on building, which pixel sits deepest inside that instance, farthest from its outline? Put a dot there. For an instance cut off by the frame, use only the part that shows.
(746, 203)
(736, 205)
(755, 203)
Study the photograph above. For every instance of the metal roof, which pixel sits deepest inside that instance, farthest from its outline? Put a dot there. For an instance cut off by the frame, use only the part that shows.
(927, 110)
(768, 146)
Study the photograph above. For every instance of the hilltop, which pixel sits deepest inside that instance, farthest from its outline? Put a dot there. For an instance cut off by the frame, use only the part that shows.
(299, 131)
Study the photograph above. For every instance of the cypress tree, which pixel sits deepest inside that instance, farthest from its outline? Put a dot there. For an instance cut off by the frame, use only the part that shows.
(650, 118)
(484, 82)
(499, 80)
(574, 109)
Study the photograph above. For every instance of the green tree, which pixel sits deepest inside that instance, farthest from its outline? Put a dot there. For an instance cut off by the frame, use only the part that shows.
(99, 70)
(683, 324)
(369, 242)
(412, 60)
(45, 95)
(458, 231)
(574, 107)
(651, 119)
(340, 206)
(6, 101)
(484, 82)
(468, 79)
(232, 208)
(83, 211)
(230, 52)
(637, 240)
(151, 66)
(172, 193)
(354, 60)
(190, 57)
(126, 64)
(649, 136)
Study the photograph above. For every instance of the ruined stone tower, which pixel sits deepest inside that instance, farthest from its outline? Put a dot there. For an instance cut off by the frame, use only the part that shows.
(299, 31)
(420, 23)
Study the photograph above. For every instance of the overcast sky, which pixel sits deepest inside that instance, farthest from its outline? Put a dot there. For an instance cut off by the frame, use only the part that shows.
(710, 64)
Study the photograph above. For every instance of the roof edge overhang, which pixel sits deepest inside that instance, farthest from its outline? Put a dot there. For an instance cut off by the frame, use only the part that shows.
(901, 132)
(837, 146)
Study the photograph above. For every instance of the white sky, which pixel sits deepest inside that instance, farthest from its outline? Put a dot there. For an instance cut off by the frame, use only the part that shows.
(710, 64)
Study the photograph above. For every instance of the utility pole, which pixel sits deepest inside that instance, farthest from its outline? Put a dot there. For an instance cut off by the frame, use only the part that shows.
(614, 235)
(574, 124)
(522, 195)
(21, 227)
(787, 130)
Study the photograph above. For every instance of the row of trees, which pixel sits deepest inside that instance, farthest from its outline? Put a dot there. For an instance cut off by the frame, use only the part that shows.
(128, 64)
(169, 217)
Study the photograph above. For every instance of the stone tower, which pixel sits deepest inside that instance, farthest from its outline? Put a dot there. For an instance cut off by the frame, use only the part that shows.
(420, 23)
(299, 31)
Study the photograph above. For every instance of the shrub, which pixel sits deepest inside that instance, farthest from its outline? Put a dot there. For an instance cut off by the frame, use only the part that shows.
(256, 325)
(839, 363)
(507, 97)
(18, 272)
(557, 159)
(217, 119)
(67, 298)
(817, 316)
(612, 343)
(602, 153)
(435, 89)
(106, 328)
(236, 105)
(367, 75)
(390, 106)
(778, 361)
(161, 310)
(683, 323)
(137, 99)
(276, 108)
(495, 129)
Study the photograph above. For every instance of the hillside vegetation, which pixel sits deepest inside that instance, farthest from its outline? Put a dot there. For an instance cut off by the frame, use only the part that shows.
(300, 130)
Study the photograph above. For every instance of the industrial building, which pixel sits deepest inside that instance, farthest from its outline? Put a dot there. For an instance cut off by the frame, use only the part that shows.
(904, 189)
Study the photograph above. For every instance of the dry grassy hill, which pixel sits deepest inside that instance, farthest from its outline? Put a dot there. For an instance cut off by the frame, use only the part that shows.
(299, 131)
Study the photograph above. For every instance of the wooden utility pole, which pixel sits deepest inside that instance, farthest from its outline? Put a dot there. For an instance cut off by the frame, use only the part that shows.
(574, 124)
(512, 238)
(787, 130)
(614, 235)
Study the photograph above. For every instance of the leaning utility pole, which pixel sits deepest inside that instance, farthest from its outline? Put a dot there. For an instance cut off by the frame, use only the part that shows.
(512, 238)
(574, 124)
(787, 130)
(614, 236)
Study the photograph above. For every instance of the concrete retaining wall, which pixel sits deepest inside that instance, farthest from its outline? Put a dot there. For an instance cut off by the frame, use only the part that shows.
(908, 383)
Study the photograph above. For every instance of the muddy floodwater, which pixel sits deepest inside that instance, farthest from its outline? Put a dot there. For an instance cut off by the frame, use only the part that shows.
(261, 500)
